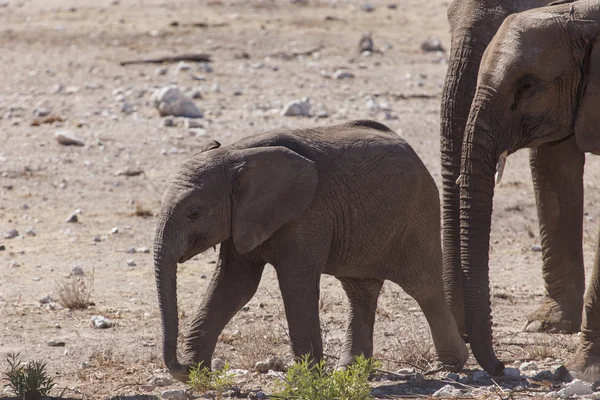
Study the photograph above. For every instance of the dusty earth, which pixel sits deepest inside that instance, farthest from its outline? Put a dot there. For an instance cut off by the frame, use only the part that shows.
(63, 56)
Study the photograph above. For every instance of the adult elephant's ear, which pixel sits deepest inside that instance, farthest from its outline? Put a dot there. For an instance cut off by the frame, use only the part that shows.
(587, 117)
(273, 185)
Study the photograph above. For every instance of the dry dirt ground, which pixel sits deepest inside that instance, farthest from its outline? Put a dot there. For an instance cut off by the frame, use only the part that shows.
(63, 55)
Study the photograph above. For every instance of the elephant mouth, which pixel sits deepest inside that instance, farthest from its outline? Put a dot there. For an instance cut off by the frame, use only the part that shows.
(198, 249)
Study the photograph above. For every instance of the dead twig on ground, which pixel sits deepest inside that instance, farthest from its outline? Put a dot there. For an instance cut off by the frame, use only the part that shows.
(193, 57)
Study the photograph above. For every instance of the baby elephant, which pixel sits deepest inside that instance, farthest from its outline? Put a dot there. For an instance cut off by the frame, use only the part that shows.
(353, 201)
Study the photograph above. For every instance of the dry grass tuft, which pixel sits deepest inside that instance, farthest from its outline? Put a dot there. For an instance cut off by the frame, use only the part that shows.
(141, 211)
(414, 347)
(76, 292)
(543, 347)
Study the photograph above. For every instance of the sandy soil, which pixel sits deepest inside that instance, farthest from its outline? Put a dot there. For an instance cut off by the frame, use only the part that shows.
(77, 46)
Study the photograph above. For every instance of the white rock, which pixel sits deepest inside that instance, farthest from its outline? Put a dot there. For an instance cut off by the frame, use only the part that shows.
(142, 250)
(101, 322)
(14, 264)
(41, 112)
(575, 388)
(182, 66)
(191, 123)
(30, 231)
(131, 263)
(217, 364)
(46, 299)
(175, 395)
(205, 67)
(536, 248)
(448, 391)
(11, 234)
(238, 372)
(512, 373)
(262, 366)
(73, 217)
(529, 366)
(171, 101)
(342, 74)
(161, 71)
(114, 231)
(297, 108)
(127, 108)
(72, 89)
(367, 7)
(66, 138)
(160, 380)
(432, 44)
(216, 88)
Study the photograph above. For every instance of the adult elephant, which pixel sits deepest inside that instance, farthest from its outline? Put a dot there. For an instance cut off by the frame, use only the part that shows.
(557, 175)
(538, 87)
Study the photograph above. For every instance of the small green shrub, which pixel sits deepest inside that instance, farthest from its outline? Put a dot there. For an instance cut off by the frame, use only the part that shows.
(202, 380)
(310, 381)
(30, 381)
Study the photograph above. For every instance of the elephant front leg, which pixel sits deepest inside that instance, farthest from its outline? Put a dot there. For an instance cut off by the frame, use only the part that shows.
(585, 363)
(362, 295)
(233, 284)
(557, 173)
(300, 292)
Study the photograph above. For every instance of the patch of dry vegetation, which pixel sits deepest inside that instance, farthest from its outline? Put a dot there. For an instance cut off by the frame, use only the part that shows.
(142, 211)
(75, 293)
(411, 346)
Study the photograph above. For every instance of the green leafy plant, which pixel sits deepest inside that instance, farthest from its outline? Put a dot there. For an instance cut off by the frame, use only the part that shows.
(203, 379)
(29, 381)
(308, 380)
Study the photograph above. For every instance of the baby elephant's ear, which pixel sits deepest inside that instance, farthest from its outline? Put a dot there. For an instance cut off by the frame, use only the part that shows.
(273, 186)
(587, 117)
(210, 145)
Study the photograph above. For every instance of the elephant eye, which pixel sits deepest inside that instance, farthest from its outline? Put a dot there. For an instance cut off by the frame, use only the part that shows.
(524, 90)
(194, 214)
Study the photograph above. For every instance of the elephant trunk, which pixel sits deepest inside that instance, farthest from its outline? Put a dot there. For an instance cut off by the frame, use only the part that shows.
(165, 270)
(459, 89)
(478, 167)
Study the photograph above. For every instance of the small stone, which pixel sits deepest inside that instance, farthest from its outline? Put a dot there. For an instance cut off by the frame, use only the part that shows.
(131, 263)
(191, 123)
(56, 89)
(217, 364)
(182, 66)
(536, 248)
(575, 388)
(72, 89)
(46, 299)
(261, 395)
(14, 264)
(175, 395)
(30, 232)
(127, 108)
(405, 371)
(76, 271)
(130, 250)
(57, 326)
(147, 388)
(2, 247)
(161, 71)
(263, 366)
(453, 376)
(72, 218)
(67, 139)
(101, 322)
(342, 74)
(197, 77)
(238, 92)
(97, 239)
(215, 88)
(168, 121)
(448, 391)
(160, 381)
(55, 343)
(529, 366)
(196, 94)
(367, 7)
(41, 112)
(11, 234)
(114, 231)
(297, 108)
(87, 364)
(205, 67)
(142, 250)
(513, 373)
(392, 6)
(171, 101)
(366, 43)
(419, 378)
(432, 44)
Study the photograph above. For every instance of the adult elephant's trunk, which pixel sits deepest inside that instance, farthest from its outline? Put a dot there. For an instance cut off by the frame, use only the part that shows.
(479, 158)
(459, 89)
(165, 270)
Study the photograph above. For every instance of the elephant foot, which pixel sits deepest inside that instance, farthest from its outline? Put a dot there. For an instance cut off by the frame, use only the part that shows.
(584, 364)
(556, 317)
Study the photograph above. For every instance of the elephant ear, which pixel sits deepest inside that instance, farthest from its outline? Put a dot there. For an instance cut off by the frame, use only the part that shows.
(587, 118)
(273, 186)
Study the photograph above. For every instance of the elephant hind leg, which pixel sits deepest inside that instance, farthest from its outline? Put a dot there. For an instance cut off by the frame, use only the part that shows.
(362, 295)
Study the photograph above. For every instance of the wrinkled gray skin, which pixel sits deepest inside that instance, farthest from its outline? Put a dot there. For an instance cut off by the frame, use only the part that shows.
(538, 87)
(557, 173)
(353, 201)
